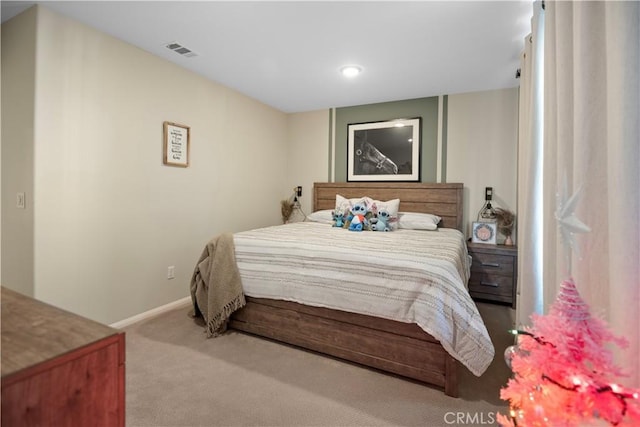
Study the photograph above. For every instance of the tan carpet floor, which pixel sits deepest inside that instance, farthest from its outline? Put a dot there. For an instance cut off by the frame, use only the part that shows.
(175, 376)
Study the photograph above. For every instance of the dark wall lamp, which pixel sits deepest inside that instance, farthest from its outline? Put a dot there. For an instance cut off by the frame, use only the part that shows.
(487, 212)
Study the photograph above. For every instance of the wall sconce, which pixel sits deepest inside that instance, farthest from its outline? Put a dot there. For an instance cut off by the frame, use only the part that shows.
(487, 213)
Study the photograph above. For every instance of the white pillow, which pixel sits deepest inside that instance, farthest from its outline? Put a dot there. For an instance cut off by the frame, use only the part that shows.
(323, 216)
(418, 221)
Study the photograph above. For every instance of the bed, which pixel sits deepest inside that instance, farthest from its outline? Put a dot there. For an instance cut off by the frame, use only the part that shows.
(364, 337)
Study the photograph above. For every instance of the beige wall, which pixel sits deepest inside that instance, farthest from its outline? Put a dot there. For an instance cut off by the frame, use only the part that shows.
(308, 153)
(18, 76)
(482, 143)
(108, 216)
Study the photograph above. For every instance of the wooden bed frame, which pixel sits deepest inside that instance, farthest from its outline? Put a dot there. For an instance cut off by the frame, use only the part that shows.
(391, 346)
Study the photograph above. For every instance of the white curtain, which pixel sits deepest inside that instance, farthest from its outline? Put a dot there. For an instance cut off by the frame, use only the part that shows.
(529, 237)
(592, 140)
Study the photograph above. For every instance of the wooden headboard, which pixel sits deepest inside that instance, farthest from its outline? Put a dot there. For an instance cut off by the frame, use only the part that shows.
(444, 200)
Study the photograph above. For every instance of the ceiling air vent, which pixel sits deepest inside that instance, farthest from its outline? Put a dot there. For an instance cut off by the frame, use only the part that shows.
(178, 48)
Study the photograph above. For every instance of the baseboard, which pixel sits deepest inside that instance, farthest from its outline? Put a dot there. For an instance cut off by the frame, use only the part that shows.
(183, 302)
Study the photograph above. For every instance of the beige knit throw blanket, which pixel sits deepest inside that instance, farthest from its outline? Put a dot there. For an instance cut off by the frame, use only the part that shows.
(216, 289)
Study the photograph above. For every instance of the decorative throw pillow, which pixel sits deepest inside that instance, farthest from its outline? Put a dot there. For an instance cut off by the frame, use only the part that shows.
(418, 221)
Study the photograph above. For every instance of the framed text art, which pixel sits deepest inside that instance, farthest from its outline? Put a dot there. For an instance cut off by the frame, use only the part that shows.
(384, 151)
(176, 144)
(484, 232)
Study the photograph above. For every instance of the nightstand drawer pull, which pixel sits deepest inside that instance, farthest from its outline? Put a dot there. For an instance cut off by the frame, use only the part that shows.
(490, 264)
(492, 284)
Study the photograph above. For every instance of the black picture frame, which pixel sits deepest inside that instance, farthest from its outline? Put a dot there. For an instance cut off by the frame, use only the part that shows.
(384, 151)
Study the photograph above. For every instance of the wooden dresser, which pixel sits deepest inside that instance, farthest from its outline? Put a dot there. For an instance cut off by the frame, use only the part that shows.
(59, 369)
(494, 272)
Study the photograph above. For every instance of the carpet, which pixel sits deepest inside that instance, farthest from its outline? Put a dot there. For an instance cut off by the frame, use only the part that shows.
(175, 376)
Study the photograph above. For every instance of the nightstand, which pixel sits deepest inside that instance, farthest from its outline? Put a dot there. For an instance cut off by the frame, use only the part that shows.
(494, 272)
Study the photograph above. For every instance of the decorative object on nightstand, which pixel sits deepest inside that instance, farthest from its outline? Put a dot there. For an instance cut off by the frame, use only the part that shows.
(286, 209)
(493, 272)
(484, 232)
(506, 221)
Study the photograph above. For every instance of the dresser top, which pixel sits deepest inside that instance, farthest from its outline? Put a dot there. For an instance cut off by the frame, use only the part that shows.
(34, 332)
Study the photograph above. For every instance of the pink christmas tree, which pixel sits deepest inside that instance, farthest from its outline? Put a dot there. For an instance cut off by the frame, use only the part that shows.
(563, 371)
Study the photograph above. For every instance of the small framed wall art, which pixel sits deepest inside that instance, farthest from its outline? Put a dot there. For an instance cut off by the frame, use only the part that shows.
(177, 139)
(484, 232)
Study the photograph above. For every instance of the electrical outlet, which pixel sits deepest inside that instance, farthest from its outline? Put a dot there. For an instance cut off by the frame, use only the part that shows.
(171, 272)
(299, 191)
(20, 200)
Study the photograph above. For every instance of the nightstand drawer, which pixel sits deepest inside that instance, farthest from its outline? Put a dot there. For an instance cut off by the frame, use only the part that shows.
(493, 272)
(491, 263)
(491, 284)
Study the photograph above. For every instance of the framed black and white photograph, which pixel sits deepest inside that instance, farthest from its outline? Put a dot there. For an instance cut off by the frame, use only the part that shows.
(176, 144)
(384, 151)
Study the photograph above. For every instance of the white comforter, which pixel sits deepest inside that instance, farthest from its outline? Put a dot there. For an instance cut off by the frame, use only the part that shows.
(410, 276)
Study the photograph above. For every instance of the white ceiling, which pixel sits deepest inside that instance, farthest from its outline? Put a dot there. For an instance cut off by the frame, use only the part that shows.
(288, 54)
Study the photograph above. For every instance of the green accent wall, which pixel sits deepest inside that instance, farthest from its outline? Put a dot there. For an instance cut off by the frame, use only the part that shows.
(425, 108)
(445, 117)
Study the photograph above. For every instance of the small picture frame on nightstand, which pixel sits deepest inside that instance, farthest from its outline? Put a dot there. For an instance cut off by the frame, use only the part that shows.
(484, 232)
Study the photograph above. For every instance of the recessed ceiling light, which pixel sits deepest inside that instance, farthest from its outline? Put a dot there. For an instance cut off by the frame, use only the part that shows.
(350, 70)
